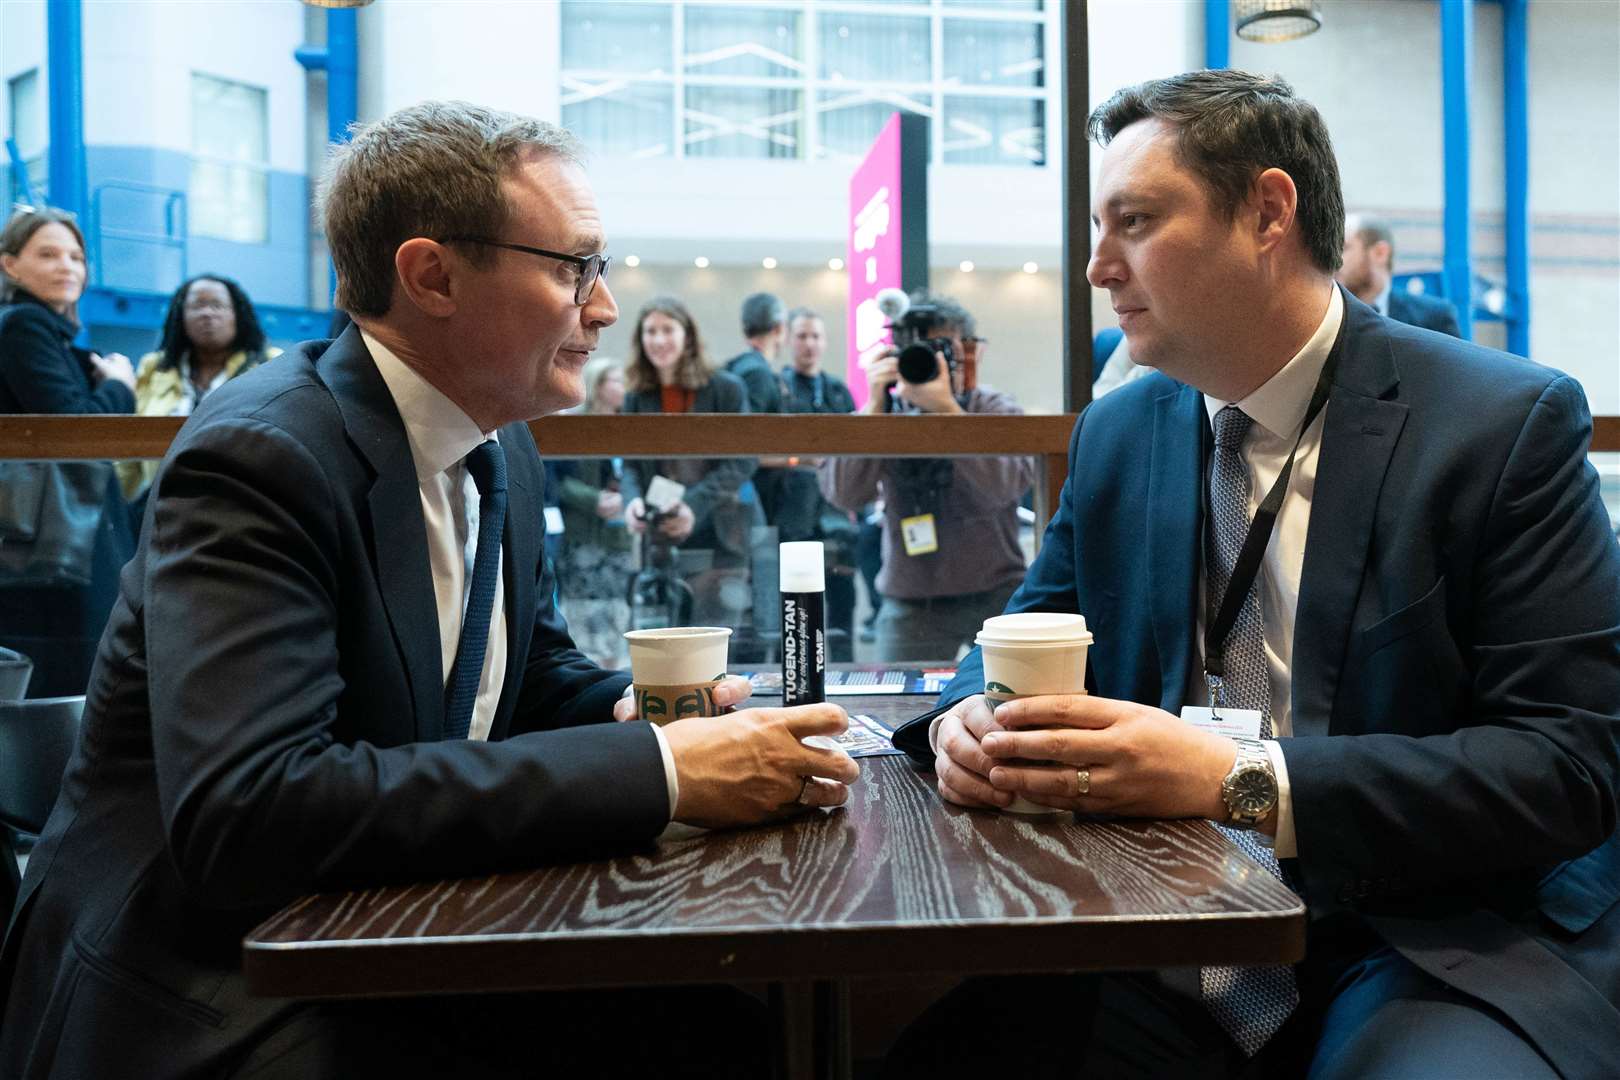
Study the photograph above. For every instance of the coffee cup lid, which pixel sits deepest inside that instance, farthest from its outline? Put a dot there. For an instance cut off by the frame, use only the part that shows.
(1035, 628)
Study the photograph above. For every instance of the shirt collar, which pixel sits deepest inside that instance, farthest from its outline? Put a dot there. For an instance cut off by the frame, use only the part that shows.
(1280, 402)
(440, 434)
(1381, 301)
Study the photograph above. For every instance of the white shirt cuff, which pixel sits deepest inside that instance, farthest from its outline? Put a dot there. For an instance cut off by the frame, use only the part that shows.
(933, 732)
(671, 784)
(1284, 846)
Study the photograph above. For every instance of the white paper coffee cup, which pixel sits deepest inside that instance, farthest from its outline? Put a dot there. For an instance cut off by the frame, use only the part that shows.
(1030, 654)
(675, 670)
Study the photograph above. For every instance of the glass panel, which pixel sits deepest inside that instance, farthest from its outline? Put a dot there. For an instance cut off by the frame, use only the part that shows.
(850, 121)
(229, 190)
(728, 41)
(996, 5)
(726, 573)
(229, 201)
(27, 113)
(734, 121)
(1608, 467)
(634, 38)
(229, 120)
(634, 119)
(994, 131)
(994, 53)
(875, 48)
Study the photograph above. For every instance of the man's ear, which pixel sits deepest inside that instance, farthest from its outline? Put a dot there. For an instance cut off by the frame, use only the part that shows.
(1276, 200)
(1381, 255)
(424, 269)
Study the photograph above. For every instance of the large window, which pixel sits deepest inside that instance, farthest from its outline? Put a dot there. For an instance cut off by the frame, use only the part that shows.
(814, 79)
(230, 160)
(26, 107)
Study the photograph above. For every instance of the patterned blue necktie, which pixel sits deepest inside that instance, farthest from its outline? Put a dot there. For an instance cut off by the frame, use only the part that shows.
(487, 464)
(1251, 1003)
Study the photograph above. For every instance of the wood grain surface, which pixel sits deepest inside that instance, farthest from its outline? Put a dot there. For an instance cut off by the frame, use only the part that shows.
(894, 883)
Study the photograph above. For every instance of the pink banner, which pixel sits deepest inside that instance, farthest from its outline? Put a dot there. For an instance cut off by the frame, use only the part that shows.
(873, 262)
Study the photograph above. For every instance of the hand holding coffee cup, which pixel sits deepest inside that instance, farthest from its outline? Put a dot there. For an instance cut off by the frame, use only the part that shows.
(675, 671)
(1033, 654)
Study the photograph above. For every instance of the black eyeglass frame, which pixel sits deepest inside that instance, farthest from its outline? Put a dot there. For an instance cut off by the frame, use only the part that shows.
(592, 268)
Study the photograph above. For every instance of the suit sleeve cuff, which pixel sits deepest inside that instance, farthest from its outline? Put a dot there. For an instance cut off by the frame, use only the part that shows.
(1284, 846)
(671, 784)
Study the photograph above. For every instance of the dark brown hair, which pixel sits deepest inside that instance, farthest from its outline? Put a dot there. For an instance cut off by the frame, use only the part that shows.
(692, 370)
(1232, 126)
(20, 229)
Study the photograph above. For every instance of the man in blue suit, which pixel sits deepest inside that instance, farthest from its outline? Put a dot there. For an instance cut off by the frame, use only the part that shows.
(1367, 268)
(1421, 623)
(336, 661)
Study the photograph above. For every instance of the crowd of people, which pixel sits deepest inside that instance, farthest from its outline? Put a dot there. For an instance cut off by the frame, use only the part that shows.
(1355, 595)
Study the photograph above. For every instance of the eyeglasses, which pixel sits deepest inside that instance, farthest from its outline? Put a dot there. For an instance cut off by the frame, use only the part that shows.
(591, 267)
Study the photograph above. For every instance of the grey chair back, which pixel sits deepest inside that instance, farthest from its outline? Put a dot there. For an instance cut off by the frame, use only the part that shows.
(15, 668)
(36, 740)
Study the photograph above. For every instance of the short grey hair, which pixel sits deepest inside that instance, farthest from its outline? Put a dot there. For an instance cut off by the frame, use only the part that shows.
(434, 170)
(1371, 230)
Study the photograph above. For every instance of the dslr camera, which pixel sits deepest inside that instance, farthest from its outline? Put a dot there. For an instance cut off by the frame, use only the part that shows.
(917, 350)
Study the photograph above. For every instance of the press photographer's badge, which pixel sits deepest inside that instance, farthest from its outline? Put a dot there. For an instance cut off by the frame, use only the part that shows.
(918, 534)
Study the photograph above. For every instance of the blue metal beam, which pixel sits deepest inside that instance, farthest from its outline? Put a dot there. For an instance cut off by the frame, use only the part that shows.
(64, 63)
(1217, 33)
(340, 59)
(1516, 170)
(1456, 71)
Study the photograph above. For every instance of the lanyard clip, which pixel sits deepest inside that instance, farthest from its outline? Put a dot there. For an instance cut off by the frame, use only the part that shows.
(1217, 688)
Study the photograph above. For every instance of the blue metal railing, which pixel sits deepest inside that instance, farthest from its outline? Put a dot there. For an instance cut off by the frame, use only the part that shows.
(174, 224)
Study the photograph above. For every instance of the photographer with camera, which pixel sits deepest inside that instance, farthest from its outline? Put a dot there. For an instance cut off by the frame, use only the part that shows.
(951, 556)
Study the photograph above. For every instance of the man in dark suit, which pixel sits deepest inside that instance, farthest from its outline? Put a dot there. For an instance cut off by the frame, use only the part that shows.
(1425, 638)
(1367, 268)
(315, 678)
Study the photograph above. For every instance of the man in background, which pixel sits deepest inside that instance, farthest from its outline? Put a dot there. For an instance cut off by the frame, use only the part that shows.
(951, 556)
(1368, 269)
(764, 326)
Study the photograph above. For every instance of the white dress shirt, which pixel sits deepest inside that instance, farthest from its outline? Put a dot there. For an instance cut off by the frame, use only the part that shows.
(441, 436)
(1278, 408)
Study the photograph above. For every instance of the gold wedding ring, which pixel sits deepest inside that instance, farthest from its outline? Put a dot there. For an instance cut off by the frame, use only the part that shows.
(1083, 778)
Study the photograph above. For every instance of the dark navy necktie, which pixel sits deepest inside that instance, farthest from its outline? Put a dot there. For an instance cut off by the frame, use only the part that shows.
(1251, 1003)
(487, 464)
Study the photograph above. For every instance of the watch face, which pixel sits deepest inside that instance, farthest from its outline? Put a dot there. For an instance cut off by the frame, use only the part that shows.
(1253, 791)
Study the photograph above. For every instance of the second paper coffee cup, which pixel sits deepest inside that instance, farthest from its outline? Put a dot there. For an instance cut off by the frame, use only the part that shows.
(1030, 654)
(675, 670)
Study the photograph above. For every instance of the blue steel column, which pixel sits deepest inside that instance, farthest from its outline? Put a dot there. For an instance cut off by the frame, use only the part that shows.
(64, 62)
(1217, 33)
(1456, 68)
(1516, 167)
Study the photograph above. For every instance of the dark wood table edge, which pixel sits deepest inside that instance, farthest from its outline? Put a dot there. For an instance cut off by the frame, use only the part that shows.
(661, 956)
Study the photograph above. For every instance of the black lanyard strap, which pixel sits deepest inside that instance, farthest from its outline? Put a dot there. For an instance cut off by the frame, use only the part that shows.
(1259, 535)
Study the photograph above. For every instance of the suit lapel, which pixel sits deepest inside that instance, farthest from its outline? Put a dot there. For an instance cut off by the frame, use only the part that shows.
(1359, 434)
(1173, 524)
(398, 536)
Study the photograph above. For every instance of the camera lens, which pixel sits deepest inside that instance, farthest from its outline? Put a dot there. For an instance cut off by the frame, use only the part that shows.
(917, 364)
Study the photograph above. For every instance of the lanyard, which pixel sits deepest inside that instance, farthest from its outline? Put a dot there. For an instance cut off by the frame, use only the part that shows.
(1259, 535)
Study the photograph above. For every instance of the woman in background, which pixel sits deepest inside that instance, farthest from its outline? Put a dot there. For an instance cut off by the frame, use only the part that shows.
(598, 558)
(211, 334)
(58, 622)
(669, 373)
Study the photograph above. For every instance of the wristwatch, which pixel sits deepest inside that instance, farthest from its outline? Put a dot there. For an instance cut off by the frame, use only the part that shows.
(1250, 789)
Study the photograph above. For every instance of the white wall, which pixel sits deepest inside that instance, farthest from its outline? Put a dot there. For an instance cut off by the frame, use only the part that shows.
(138, 60)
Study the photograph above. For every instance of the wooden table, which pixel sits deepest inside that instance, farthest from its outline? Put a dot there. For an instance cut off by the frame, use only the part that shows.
(896, 883)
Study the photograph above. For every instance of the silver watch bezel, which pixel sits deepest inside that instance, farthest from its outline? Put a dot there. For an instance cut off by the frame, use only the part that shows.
(1251, 759)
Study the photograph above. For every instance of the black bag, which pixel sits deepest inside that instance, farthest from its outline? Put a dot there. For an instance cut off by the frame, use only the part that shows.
(50, 513)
